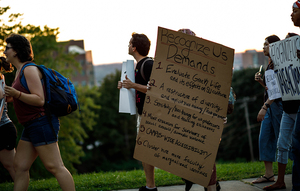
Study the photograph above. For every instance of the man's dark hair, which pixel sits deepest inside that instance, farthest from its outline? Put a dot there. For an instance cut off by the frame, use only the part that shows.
(272, 38)
(22, 46)
(292, 34)
(141, 43)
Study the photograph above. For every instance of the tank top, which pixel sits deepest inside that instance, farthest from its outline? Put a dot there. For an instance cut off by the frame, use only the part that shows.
(24, 111)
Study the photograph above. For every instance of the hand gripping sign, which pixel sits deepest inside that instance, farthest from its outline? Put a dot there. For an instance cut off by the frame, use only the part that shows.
(127, 96)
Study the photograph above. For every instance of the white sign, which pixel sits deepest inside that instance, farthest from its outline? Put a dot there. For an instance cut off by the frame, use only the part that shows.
(127, 96)
(287, 67)
(271, 82)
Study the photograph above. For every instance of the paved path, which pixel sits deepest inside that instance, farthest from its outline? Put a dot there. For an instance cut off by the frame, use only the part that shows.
(233, 185)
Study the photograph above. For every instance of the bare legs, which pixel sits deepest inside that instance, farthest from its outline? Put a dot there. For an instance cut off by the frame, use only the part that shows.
(51, 158)
(149, 172)
(279, 184)
(269, 174)
(269, 169)
(7, 158)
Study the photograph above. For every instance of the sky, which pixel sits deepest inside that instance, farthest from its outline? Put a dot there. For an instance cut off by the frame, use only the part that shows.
(106, 25)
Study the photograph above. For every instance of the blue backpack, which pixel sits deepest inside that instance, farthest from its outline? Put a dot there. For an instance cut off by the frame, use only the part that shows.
(61, 98)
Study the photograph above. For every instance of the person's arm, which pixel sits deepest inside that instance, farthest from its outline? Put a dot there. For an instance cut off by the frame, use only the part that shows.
(259, 79)
(33, 79)
(127, 83)
(262, 112)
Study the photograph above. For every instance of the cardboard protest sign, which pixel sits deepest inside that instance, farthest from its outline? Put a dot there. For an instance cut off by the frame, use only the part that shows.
(127, 96)
(271, 82)
(287, 67)
(183, 114)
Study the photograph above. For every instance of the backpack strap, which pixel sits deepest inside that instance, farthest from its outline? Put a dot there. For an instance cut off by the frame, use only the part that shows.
(24, 84)
(22, 77)
(142, 68)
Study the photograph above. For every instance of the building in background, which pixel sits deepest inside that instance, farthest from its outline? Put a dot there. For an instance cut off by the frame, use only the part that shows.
(86, 76)
(249, 59)
(102, 70)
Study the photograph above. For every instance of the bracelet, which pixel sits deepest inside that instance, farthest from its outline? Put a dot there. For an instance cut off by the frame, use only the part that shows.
(264, 108)
(19, 95)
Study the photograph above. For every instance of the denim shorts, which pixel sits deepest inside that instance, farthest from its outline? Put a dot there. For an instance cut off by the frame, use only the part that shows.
(39, 131)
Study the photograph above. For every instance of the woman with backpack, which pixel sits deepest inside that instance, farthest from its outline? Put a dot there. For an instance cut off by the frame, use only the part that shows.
(38, 138)
(8, 131)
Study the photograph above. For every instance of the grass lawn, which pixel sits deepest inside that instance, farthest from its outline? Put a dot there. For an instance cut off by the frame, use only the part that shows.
(133, 179)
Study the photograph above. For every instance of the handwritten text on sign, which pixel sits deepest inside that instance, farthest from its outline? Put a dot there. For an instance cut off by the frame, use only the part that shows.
(287, 67)
(182, 121)
(271, 82)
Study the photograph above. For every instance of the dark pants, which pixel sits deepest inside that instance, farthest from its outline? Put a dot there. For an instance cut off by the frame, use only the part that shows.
(296, 154)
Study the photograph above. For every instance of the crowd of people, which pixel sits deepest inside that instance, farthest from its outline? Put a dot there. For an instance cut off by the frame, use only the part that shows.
(279, 128)
(279, 132)
(280, 120)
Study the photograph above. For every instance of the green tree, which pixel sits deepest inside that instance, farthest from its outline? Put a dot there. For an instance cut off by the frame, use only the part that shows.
(235, 142)
(110, 144)
(50, 53)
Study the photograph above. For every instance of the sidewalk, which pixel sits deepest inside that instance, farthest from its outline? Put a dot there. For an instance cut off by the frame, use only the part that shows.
(232, 185)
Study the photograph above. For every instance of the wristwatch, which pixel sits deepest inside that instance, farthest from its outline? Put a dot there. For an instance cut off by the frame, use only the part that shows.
(267, 105)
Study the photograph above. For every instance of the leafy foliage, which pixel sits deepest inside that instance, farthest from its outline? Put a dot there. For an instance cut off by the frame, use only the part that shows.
(235, 143)
(50, 53)
(110, 144)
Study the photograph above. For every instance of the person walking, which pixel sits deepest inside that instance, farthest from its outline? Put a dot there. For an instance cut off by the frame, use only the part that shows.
(139, 46)
(38, 138)
(8, 135)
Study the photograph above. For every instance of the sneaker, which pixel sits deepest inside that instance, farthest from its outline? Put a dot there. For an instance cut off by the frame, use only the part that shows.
(143, 188)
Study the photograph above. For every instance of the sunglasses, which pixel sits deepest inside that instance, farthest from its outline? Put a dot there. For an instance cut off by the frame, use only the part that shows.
(8, 47)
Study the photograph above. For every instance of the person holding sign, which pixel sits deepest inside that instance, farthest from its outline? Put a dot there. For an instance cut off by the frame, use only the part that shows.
(139, 46)
(8, 133)
(295, 16)
(269, 129)
(290, 108)
(213, 183)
